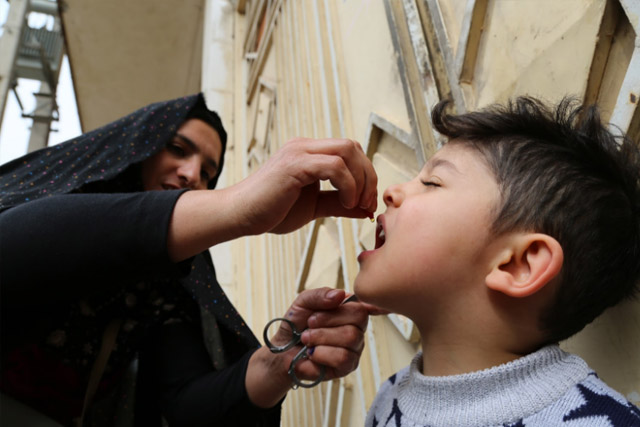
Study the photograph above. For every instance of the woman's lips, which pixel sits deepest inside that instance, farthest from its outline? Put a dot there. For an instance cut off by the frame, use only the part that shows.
(169, 186)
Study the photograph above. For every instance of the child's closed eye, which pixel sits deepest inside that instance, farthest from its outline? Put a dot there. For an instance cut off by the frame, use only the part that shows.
(430, 183)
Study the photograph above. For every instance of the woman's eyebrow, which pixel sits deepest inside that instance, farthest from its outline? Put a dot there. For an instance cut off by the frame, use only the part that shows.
(194, 147)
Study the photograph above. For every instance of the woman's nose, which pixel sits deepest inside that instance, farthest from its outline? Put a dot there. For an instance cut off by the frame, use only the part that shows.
(393, 195)
(189, 172)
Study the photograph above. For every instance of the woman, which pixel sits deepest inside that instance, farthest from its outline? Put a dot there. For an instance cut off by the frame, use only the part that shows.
(88, 246)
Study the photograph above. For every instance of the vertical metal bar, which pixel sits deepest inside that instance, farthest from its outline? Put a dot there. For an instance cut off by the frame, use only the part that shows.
(9, 44)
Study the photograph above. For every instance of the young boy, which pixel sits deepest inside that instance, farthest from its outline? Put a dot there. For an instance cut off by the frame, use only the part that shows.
(521, 230)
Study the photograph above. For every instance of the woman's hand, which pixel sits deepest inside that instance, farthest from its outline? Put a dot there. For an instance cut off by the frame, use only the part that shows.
(335, 335)
(284, 194)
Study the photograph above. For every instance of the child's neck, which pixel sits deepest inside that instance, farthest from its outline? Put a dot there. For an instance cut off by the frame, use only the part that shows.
(478, 332)
(461, 358)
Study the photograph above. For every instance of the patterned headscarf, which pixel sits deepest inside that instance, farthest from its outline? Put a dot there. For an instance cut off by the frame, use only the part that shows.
(100, 156)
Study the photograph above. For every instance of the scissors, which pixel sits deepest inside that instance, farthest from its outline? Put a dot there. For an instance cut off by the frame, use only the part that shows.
(302, 354)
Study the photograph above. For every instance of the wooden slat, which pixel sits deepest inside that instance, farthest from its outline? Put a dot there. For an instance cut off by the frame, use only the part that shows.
(632, 10)
(331, 403)
(287, 23)
(327, 81)
(441, 53)
(241, 6)
(471, 32)
(307, 255)
(304, 90)
(626, 113)
(607, 29)
(257, 8)
(313, 65)
(263, 49)
(338, 66)
(411, 78)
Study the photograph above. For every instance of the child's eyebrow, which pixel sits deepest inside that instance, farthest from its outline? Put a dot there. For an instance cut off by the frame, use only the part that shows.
(437, 162)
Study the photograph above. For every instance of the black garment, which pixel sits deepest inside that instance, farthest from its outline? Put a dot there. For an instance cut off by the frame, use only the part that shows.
(176, 374)
(80, 260)
(79, 245)
(127, 232)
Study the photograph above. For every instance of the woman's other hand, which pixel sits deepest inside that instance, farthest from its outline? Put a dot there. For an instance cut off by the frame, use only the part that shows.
(335, 333)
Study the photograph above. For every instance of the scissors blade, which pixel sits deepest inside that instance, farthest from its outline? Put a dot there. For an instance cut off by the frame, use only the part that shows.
(349, 299)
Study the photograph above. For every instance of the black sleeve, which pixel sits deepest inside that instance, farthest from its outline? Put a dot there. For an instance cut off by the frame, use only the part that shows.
(55, 247)
(176, 378)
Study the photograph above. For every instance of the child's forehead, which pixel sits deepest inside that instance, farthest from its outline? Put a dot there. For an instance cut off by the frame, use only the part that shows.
(454, 155)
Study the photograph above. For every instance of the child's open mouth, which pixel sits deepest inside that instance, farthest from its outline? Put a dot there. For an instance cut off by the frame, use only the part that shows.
(380, 235)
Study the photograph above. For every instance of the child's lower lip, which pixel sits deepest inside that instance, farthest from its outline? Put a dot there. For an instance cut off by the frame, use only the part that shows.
(365, 254)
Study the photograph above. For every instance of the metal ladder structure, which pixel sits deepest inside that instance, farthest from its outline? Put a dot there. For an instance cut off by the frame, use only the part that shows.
(35, 54)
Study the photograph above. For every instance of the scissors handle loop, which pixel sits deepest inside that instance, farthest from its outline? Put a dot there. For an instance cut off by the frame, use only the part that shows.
(297, 382)
(295, 336)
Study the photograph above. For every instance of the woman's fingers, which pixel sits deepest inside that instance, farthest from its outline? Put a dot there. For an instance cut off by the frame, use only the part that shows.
(337, 362)
(341, 161)
(333, 168)
(337, 348)
(312, 300)
(333, 332)
(352, 313)
(306, 304)
(284, 193)
(349, 337)
(329, 204)
(363, 194)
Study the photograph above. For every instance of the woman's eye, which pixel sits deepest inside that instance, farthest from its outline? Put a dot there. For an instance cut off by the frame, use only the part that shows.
(175, 149)
(430, 184)
(205, 176)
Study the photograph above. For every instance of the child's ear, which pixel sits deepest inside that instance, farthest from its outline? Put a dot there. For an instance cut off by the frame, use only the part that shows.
(527, 264)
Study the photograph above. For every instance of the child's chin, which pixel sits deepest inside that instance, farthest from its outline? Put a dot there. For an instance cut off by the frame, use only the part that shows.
(359, 289)
(363, 293)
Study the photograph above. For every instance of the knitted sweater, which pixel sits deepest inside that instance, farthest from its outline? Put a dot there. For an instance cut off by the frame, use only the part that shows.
(546, 388)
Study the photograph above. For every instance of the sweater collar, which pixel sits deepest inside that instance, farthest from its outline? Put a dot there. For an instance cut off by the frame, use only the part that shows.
(497, 395)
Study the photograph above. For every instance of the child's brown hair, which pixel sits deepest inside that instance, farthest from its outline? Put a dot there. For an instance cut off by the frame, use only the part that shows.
(563, 173)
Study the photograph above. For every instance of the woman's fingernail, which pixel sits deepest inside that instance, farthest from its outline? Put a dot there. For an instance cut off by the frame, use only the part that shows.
(332, 294)
(311, 350)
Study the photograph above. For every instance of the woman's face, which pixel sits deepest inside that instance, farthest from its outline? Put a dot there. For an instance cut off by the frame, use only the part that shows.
(189, 160)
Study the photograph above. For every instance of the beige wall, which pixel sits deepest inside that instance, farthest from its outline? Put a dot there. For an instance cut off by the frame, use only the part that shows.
(127, 54)
(371, 70)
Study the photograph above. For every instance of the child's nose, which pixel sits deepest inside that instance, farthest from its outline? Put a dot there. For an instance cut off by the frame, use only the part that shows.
(393, 195)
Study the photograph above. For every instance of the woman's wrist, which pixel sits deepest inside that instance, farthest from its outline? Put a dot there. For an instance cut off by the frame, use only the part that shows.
(267, 380)
(204, 218)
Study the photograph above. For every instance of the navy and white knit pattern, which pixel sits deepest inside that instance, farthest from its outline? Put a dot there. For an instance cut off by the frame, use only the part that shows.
(547, 388)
